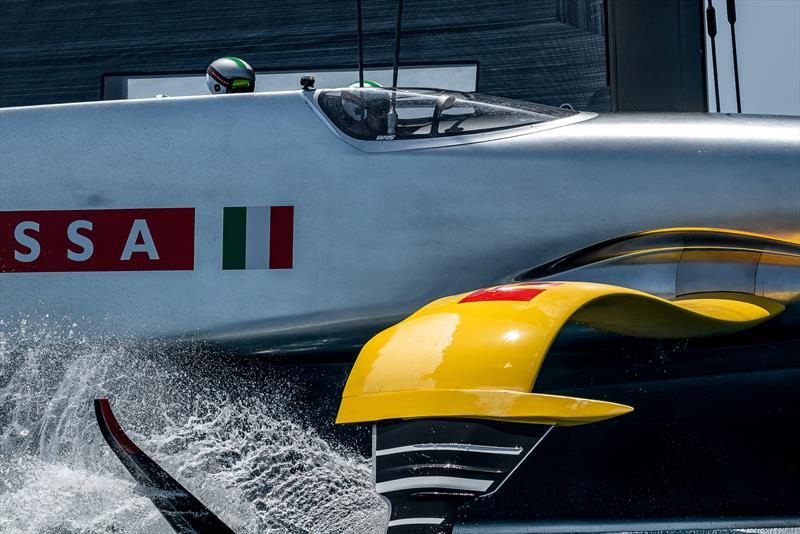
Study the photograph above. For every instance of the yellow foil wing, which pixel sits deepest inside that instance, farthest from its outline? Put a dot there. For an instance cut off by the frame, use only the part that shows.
(477, 355)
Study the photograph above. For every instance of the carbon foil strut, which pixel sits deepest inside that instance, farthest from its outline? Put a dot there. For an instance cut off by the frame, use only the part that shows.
(426, 469)
(182, 510)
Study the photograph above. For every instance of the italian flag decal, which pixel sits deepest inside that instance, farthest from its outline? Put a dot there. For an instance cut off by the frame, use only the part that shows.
(257, 237)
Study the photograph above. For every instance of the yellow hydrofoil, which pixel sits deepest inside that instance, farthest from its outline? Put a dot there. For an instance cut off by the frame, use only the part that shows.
(477, 354)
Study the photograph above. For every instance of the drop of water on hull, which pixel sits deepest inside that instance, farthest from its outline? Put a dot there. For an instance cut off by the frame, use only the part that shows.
(239, 446)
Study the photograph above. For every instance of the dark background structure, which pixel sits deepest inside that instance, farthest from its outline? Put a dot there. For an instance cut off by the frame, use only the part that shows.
(595, 54)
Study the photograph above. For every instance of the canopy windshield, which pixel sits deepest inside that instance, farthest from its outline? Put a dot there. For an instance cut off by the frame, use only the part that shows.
(367, 113)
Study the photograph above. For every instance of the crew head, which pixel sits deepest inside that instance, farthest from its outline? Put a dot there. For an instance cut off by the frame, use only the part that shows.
(230, 75)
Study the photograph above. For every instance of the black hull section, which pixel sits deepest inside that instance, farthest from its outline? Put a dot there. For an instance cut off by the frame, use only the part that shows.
(426, 469)
(713, 434)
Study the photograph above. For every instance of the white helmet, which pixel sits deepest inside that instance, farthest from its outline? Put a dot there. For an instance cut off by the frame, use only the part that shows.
(230, 75)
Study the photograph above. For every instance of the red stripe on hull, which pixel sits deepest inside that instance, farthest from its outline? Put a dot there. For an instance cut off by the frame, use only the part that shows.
(281, 237)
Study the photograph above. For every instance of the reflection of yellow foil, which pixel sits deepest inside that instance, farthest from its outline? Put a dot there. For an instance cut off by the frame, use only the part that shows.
(789, 239)
(478, 354)
(671, 245)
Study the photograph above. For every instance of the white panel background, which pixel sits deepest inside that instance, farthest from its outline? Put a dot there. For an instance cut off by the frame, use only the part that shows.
(455, 77)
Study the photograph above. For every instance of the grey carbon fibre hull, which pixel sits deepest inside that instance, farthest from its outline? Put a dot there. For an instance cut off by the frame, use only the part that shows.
(375, 234)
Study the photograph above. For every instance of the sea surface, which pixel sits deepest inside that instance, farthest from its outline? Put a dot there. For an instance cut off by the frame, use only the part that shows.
(234, 435)
(253, 440)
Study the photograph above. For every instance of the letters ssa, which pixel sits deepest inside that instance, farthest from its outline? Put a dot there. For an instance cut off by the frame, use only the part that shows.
(155, 239)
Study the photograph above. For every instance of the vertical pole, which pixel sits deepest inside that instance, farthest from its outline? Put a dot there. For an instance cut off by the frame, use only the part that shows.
(392, 118)
(360, 45)
(732, 22)
(397, 41)
(711, 25)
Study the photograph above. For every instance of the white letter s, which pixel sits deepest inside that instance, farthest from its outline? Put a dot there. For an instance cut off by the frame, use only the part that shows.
(80, 240)
(27, 241)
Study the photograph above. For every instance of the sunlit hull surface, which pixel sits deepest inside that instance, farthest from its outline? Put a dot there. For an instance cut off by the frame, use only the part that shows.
(375, 235)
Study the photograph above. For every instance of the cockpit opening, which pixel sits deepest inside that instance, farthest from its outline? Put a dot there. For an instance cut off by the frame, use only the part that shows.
(372, 114)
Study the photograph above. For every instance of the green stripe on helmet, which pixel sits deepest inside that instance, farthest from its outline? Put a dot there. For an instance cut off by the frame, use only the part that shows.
(367, 83)
(238, 61)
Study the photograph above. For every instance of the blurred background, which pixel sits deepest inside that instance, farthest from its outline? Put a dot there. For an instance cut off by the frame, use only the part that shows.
(598, 55)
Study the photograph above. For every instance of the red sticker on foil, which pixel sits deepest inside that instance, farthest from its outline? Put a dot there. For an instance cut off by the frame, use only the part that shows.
(514, 293)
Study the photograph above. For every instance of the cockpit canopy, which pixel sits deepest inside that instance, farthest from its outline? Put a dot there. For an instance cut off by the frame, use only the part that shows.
(373, 114)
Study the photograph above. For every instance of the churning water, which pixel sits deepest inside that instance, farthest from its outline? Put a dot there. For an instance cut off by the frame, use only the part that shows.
(237, 443)
(236, 437)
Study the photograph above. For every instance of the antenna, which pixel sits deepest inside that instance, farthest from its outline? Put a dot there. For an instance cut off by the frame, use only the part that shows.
(732, 22)
(391, 127)
(397, 41)
(711, 25)
(360, 45)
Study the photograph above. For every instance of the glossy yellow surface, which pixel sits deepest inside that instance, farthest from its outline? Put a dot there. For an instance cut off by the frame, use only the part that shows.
(790, 239)
(533, 408)
(481, 359)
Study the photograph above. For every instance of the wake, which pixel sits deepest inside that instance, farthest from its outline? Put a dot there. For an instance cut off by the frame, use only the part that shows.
(235, 444)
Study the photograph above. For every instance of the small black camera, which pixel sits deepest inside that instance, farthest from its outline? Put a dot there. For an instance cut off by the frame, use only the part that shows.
(307, 82)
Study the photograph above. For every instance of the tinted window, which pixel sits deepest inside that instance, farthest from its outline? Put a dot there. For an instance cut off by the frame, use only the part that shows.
(377, 114)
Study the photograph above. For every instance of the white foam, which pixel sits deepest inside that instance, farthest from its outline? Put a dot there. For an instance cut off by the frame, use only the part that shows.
(244, 456)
